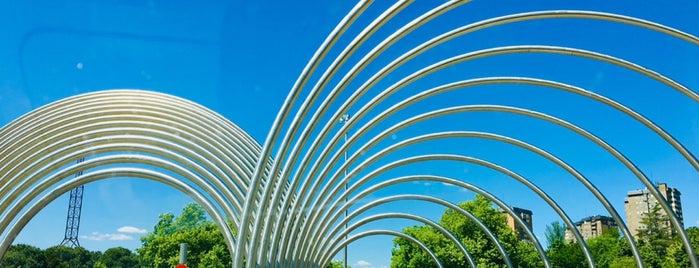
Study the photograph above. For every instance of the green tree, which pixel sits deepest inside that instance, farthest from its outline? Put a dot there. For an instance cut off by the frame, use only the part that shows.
(608, 247)
(676, 256)
(608, 250)
(337, 264)
(66, 257)
(555, 233)
(693, 235)
(24, 256)
(206, 246)
(566, 254)
(623, 262)
(655, 238)
(118, 257)
(560, 252)
(407, 254)
(483, 250)
(527, 256)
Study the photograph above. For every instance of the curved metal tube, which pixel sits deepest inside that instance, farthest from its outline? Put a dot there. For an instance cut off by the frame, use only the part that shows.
(109, 173)
(497, 51)
(103, 128)
(529, 147)
(75, 136)
(294, 127)
(105, 160)
(385, 232)
(144, 103)
(545, 49)
(490, 23)
(64, 124)
(242, 177)
(275, 130)
(463, 30)
(115, 145)
(530, 81)
(361, 222)
(333, 232)
(409, 27)
(67, 125)
(326, 220)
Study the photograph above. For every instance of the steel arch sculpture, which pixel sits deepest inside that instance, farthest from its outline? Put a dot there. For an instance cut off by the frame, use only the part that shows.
(284, 196)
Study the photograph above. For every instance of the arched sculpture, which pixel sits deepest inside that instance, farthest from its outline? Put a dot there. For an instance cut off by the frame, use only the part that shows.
(284, 197)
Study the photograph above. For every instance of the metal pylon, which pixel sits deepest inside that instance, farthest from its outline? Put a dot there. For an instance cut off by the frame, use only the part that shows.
(75, 205)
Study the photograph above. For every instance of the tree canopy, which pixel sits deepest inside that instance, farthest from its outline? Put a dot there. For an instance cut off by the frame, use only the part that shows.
(27, 256)
(118, 257)
(206, 245)
(658, 245)
(522, 253)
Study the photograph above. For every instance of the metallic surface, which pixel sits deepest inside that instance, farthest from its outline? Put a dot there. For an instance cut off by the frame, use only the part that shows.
(285, 198)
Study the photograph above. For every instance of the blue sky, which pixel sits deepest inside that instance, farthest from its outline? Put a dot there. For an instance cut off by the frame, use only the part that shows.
(240, 58)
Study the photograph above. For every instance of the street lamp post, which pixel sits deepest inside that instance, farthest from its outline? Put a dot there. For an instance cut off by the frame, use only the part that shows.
(343, 120)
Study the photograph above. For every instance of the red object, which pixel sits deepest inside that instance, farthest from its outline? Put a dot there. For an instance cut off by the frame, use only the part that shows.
(181, 266)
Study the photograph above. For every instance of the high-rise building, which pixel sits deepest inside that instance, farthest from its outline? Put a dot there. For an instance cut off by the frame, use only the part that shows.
(639, 202)
(525, 215)
(592, 226)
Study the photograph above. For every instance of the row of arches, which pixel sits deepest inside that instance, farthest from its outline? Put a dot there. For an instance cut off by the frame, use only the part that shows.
(285, 197)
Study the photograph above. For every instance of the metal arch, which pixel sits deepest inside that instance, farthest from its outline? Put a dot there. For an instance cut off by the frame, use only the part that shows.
(529, 81)
(463, 30)
(325, 258)
(116, 172)
(252, 160)
(486, 24)
(130, 98)
(112, 159)
(338, 112)
(496, 51)
(275, 130)
(326, 220)
(510, 19)
(593, 55)
(294, 126)
(77, 136)
(461, 184)
(52, 127)
(391, 233)
(493, 238)
(104, 131)
(25, 130)
(557, 50)
(632, 66)
(529, 147)
(424, 18)
(568, 88)
(116, 145)
(329, 73)
(150, 108)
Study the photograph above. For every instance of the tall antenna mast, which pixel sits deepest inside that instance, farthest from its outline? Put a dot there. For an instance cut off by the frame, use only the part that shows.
(75, 205)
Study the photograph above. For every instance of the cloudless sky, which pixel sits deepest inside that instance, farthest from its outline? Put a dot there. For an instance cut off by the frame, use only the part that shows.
(240, 58)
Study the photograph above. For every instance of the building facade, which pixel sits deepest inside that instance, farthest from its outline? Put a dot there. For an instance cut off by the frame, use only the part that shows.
(639, 202)
(526, 216)
(592, 226)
